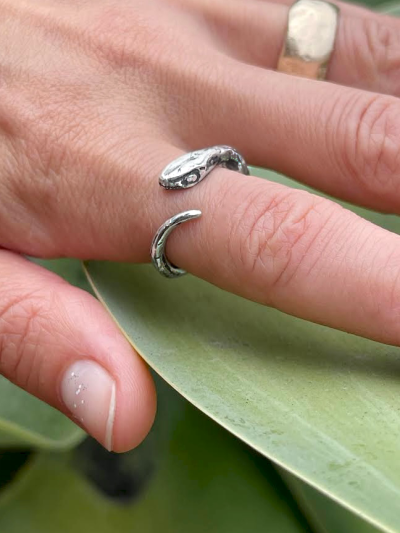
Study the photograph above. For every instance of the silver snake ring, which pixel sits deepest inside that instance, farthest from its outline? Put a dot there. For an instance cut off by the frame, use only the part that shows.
(183, 173)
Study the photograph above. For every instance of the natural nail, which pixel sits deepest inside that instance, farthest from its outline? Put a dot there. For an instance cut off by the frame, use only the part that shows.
(88, 391)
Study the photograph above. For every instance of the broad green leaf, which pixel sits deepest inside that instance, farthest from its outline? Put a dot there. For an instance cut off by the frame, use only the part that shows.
(324, 514)
(204, 480)
(322, 404)
(378, 5)
(390, 8)
(25, 420)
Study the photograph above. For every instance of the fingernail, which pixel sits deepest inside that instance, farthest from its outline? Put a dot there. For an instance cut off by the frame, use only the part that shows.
(88, 391)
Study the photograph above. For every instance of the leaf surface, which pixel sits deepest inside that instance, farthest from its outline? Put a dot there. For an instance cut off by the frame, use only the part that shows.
(201, 479)
(323, 404)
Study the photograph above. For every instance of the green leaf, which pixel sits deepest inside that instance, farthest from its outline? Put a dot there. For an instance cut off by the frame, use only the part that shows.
(390, 8)
(324, 514)
(322, 404)
(204, 480)
(26, 421)
(378, 5)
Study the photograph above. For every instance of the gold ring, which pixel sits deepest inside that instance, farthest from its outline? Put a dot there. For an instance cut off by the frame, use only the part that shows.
(310, 39)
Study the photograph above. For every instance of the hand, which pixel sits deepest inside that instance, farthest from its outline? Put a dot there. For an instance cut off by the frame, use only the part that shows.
(97, 96)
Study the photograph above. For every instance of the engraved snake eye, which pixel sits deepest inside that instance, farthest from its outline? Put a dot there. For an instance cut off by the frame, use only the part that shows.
(191, 179)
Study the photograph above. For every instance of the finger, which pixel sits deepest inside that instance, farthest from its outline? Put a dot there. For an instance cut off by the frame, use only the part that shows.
(338, 139)
(367, 46)
(79, 179)
(341, 140)
(289, 249)
(59, 344)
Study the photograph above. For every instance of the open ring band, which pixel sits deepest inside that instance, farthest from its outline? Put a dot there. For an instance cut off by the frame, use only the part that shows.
(183, 173)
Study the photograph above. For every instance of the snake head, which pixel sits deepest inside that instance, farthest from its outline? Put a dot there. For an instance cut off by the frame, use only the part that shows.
(186, 171)
(191, 168)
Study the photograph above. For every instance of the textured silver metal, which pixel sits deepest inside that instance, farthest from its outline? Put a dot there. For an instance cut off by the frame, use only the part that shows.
(158, 256)
(310, 38)
(183, 173)
(189, 169)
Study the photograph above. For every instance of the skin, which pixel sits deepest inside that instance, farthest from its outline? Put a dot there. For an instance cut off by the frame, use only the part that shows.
(96, 97)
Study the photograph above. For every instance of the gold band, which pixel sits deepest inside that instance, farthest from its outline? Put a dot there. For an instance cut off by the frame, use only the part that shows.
(310, 38)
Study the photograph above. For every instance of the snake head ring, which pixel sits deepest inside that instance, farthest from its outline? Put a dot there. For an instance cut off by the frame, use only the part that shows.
(189, 169)
(182, 173)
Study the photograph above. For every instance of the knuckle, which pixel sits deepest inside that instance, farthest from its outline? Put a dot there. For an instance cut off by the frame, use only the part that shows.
(276, 236)
(373, 46)
(381, 48)
(48, 143)
(22, 322)
(370, 145)
(117, 45)
(39, 188)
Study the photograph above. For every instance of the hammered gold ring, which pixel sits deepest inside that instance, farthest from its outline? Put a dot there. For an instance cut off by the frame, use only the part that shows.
(310, 39)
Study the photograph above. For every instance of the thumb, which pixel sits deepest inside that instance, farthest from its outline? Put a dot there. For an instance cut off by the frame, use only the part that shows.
(59, 344)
